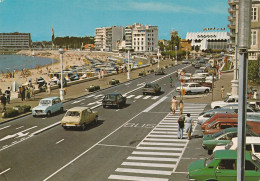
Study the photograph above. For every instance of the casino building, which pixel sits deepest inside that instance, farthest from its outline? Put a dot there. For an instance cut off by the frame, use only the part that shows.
(208, 40)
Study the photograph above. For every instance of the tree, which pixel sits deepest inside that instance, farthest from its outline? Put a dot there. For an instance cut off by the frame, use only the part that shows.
(254, 70)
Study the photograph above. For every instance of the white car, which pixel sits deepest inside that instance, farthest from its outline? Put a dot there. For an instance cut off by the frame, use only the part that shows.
(252, 145)
(227, 101)
(193, 88)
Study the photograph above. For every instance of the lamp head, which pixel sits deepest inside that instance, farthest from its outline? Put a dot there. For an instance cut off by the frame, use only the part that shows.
(61, 51)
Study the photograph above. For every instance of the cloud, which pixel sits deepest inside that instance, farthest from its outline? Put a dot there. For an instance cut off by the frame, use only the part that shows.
(1, 1)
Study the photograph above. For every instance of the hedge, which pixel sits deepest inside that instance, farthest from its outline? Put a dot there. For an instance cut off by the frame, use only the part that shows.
(10, 113)
(93, 88)
(114, 82)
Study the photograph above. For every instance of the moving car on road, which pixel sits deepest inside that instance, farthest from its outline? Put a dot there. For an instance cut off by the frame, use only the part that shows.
(114, 100)
(48, 106)
(222, 165)
(193, 88)
(159, 71)
(151, 88)
(79, 117)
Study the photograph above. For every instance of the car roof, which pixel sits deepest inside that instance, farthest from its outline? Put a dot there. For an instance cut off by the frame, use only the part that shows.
(249, 139)
(229, 154)
(114, 93)
(80, 109)
(49, 98)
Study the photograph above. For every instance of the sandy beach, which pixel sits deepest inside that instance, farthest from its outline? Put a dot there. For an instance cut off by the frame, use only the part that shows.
(70, 58)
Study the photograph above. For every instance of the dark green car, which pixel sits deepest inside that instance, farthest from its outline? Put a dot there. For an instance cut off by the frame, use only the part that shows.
(223, 137)
(221, 166)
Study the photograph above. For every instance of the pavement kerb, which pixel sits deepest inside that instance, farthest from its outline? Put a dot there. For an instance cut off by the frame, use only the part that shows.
(68, 100)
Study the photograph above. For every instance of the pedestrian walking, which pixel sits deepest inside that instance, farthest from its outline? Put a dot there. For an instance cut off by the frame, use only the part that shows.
(22, 92)
(255, 94)
(222, 92)
(180, 125)
(1, 92)
(27, 93)
(188, 125)
(8, 95)
(181, 104)
(3, 102)
(99, 75)
(102, 74)
(49, 89)
(170, 80)
(117, 70)
(174, 105)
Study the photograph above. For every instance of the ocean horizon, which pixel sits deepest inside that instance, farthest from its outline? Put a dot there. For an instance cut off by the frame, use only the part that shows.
(19, 62)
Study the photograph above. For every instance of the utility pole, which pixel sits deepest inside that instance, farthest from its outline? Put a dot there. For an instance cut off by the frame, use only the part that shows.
(244, 33)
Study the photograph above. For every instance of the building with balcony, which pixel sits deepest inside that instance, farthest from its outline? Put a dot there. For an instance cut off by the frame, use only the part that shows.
(254, 50)
(107, 38)
(15, 41)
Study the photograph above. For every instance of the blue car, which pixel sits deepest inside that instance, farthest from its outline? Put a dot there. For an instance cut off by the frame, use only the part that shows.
(48, 106)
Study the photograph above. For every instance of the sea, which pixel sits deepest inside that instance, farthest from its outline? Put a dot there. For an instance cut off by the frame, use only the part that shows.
(19, 62)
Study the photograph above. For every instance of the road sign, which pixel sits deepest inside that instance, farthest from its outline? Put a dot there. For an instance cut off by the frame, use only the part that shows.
(182, 73)
(182, 91)
(182, 81)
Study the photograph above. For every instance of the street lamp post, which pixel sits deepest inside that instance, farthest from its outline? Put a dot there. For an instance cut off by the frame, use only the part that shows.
(61, 51)
(128, 66)
(176, 61)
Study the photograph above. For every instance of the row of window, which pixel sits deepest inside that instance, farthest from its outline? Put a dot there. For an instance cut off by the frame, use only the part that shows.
(143, 39)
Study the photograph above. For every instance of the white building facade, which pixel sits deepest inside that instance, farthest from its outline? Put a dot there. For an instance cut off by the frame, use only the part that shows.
(208, 40)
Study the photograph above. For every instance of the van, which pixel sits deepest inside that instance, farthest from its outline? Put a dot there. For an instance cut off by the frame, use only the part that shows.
(79, 117)
(223, 123)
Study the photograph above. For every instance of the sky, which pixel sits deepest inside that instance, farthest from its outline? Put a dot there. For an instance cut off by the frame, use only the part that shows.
(81, 17)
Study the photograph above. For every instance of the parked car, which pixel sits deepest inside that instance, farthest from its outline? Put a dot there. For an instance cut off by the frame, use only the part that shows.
(216, 116)
(74, 77)
(252, 145)
(193, 88)
(210, 141)
(151, 88)
(79, 117)
(40, 81)
(114, 100)
(223, 123)
(229, 100)
(48, 106)
(185, 62)
(197, 65)
(222, 165)
(159, 71)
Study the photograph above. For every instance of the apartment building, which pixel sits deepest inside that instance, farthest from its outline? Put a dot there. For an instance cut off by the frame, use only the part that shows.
(140, 38)
(15, 41)
(107, 38)
(233, 9)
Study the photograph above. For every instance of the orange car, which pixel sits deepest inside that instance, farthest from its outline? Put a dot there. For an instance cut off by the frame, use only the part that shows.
(216, 116)
(223, 123)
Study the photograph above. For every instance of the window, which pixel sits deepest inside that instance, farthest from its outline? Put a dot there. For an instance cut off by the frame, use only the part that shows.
(253, 37)
(254, 14)
(257, 148)
(227, 164)
(249, 166)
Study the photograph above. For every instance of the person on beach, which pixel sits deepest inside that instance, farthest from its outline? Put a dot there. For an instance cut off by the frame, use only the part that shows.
(49, 89)
(181, 104)
(8, 95)
(188, 124)
(180, 125)
(22, 93)
(174, 105)
(3, 102)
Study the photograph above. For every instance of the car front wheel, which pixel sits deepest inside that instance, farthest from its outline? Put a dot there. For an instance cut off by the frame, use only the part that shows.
(206, 91)
(49, 114)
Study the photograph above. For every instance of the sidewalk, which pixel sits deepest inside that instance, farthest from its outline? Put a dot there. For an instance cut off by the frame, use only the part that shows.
(78, 90)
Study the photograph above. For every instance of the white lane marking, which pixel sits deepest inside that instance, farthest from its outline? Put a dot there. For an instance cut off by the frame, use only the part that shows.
(134, 178)
(155, 97)
(165, 140)
(100, 95)
(149, 164)
(138, 97)
(78, 101)
(43, 129)
(19, 127)
(5, 127)
(159, 148)
(92, 95)
(5, 171)
(155, 153)
(155, 104)
(82, 103)
(164, 144)
(19, 134)
(127, 83)
(164, 132)
(152, 159)
(130, 96)
(141, 84)
(167, 126)
(83, 153)
(155, 172)
(59, 141)
(117, 146)
(146, 97)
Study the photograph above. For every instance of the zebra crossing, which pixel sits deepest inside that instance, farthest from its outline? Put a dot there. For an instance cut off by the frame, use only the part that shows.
(157, 156)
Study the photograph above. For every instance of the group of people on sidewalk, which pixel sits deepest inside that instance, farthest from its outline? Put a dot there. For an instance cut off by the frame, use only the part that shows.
(5, 98)
(183, 121)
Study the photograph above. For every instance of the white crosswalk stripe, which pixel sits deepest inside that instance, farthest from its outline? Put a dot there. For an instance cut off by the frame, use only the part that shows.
(160, 149)
(138, 97)
(146, 97)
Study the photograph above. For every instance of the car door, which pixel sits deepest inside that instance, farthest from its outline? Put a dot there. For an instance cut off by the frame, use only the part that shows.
(252, 172)
(226, 170)
(192, 88)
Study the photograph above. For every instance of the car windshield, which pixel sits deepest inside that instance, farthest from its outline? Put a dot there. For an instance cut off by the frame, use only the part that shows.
(209, 160)
(148, 86)
(110, 97)
(45, 102)
(72, 114)
(256, 160)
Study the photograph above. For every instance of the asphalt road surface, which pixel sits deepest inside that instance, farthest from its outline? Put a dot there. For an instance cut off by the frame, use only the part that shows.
(138, 142)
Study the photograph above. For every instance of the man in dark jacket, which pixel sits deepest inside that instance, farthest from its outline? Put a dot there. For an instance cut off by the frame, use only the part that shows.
(3, 102)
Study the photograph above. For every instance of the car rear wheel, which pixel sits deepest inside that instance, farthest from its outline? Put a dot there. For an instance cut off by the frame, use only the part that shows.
(118, 106)
(188, 93)
(104, 106)
(83, 127)
(96, 120)
(206, 91)
(49, 114)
